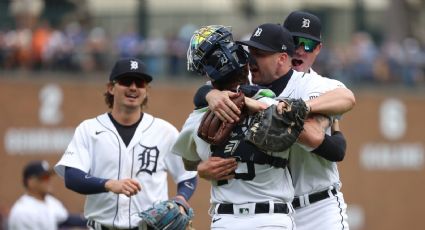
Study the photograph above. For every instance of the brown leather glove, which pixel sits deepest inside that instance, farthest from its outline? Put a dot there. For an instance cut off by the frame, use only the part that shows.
(213, 130)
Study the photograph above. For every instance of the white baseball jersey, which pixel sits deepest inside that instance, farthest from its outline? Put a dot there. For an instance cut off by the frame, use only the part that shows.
(98, 150)
(310, 172)
(30, 213)
(266, 184)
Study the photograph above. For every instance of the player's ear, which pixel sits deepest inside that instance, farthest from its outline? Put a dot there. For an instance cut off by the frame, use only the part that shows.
(283, 58)
(318, 48)
(110, 87)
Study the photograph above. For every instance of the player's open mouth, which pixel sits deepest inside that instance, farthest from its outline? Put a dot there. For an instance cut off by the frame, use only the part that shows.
(131, 96)
(296, 62)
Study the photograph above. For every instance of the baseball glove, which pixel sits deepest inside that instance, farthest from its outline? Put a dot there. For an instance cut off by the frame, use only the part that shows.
(271, 131)
(166, 215)
(213, 130)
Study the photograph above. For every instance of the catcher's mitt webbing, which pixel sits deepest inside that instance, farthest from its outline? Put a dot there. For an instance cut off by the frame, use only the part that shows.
(275, 132)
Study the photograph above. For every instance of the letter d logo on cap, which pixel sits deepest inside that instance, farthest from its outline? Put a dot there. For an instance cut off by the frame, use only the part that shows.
(134, 65)
(258, 32)
(306, 23)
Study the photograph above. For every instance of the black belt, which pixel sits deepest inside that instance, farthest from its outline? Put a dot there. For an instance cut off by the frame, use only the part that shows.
(259, 208)
(107, 228)
(314, 197)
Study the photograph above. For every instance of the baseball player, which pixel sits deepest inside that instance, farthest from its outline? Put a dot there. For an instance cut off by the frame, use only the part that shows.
(334, 98)
(255, 196)
(289, 83)
(37, 209)
(318, 201)
(120, 159)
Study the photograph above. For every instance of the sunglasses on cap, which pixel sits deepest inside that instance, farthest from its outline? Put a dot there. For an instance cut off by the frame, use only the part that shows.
(308, 44)
(128, 81)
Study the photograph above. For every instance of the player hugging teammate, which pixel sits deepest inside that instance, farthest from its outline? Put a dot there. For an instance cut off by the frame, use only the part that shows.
(312, 160)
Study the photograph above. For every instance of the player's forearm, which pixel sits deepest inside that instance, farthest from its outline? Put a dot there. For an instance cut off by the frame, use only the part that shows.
(314, 130)
(334, 102)
(191, 165)
(78, 181)
(187, 187)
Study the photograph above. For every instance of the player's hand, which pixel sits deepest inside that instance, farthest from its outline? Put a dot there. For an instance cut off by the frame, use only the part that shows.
(219, 102)
(217, 168)
(280, 107)
(254, 105)
(314, 130)
(128, 187)
(184, 201)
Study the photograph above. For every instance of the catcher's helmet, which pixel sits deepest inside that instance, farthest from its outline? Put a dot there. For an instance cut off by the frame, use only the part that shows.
(212, 51)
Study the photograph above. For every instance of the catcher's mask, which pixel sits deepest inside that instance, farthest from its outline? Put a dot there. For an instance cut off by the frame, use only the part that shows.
(212, 51)
(228, 58)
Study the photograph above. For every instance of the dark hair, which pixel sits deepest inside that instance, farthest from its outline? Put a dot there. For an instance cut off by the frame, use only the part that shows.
(109, 98)
(232, 80)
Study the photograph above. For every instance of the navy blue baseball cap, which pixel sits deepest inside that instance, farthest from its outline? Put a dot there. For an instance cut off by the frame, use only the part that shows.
(36, 168)
(273, 38)
(129, 67)
(304, 24)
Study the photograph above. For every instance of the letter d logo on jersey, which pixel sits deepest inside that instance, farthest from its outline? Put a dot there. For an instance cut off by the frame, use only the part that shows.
(148, 159)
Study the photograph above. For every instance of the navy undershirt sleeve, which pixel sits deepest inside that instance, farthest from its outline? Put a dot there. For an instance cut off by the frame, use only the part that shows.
(187, 187)
(199, 99)
(333, 147)
(79, 181)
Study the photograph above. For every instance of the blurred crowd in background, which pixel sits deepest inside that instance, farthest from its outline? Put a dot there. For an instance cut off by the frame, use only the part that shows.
(77, 46)
(362, 61)
(77, 49)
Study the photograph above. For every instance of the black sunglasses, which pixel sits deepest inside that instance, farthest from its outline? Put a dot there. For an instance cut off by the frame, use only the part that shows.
(128, 81)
